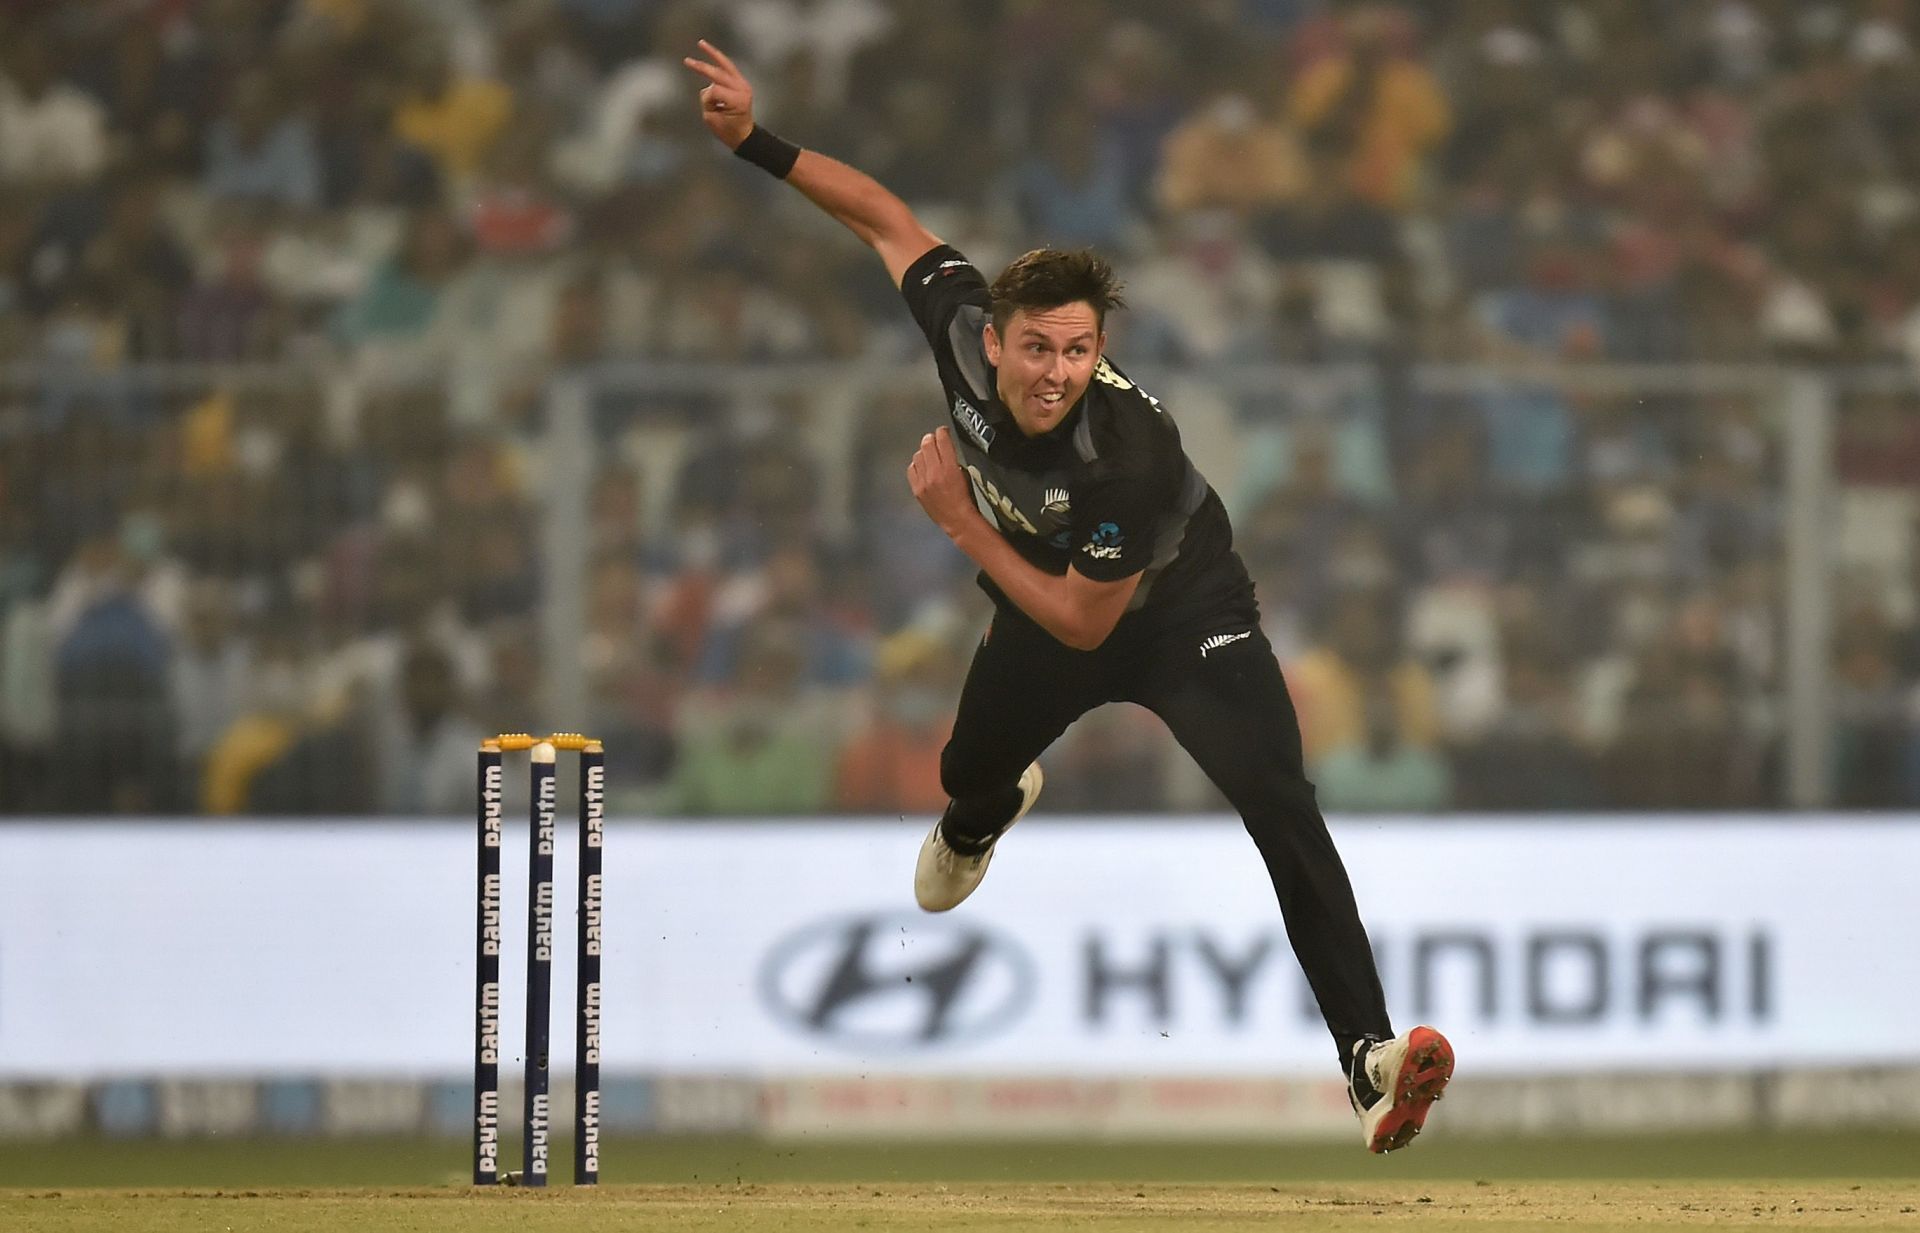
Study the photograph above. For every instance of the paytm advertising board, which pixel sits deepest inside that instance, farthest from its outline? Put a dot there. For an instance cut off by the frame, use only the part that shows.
(1095, 948)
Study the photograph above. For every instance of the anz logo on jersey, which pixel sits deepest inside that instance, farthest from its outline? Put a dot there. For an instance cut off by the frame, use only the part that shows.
(1105, 544)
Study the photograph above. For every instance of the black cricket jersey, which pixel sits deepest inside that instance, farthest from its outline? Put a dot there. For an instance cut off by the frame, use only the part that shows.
(1108, 491)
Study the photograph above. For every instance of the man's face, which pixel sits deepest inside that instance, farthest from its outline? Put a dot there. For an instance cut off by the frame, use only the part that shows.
(1045, 361)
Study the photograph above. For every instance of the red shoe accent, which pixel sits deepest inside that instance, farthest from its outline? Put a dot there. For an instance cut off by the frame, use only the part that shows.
(1423, 1077)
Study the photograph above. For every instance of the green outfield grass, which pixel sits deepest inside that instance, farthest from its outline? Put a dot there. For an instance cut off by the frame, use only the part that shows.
(1799, 1181)
(1436, 1156)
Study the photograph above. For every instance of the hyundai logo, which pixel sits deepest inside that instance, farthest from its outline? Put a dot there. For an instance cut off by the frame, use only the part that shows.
(894, 982)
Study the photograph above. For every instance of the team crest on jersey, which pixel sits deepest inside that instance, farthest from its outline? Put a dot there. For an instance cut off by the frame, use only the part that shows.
(1055, 502)
(972, 422)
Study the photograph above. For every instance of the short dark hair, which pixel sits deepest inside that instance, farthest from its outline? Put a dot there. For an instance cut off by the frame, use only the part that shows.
(1049, 277)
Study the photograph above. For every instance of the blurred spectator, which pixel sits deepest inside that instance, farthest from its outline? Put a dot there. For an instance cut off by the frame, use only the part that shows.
(110, 653)
(1071, 192)
(453, 116)
(549, 66)
(324, 766)
(1380, 772)
(1374, 107)
(1444, 525)
(152, 81)
(404, 297)
(364, 163)
(749, 481)
(516, 210)
(1530, 754)
(1529, 428)
(1878, 442)
(52, 133)
(1359, 644)
(138, 253)
(1113, 760)
(921, 149)
(1201, 293)
(628, 131)
(797, 86)
(1499, 78)
(787, 590)
(763, 746)
(210, 673)
(1229, 156)
(1133, 85)
(1342, 271)
(635, 673)
(266, 729)
(1454, 628)
(832, 32)
(508, 691)
(1873, 720)
(1678, 748)
(912, 563)
(1344, 452)
(1685, 736)
(232, 315)
(1484, 221)
(259, 150)
(892, 763)
(426, 740)
(1301, 523)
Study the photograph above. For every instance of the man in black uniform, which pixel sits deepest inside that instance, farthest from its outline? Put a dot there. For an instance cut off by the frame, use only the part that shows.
(1110, 563)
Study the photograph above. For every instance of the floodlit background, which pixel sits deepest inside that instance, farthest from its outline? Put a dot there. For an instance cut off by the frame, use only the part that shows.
(379, 375)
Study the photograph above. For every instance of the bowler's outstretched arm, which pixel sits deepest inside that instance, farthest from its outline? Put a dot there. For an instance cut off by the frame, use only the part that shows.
(862, 204)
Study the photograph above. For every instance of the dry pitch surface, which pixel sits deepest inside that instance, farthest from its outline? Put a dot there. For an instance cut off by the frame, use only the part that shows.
(1837, 1181)
(1039, 1207)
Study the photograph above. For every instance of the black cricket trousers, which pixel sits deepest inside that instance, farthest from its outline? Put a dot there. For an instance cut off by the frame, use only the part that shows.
(1215, 683)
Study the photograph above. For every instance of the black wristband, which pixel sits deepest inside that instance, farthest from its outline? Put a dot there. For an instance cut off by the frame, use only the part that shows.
(773, 155)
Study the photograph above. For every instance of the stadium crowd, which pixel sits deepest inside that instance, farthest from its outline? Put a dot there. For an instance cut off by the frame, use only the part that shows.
(285, 286)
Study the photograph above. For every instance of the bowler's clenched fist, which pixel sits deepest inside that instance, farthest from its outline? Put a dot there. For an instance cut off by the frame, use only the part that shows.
(938, 483)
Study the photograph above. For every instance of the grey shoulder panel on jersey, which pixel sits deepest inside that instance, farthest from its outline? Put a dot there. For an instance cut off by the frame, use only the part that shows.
(963, 335)
(1083, 438)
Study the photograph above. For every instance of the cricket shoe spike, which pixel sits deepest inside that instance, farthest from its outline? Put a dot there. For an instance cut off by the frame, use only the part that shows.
(1392, 1084)
(943, 878)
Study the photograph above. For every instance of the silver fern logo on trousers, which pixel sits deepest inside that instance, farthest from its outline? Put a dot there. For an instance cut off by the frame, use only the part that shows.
(1219, 640)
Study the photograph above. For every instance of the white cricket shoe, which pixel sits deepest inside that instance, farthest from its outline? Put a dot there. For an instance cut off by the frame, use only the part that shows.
(943, 878)
(1394, 1082)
